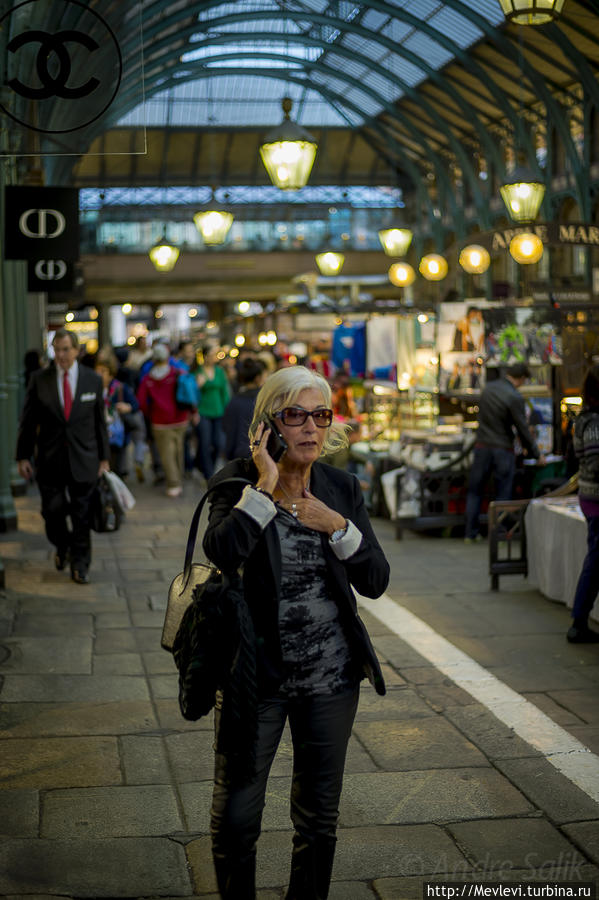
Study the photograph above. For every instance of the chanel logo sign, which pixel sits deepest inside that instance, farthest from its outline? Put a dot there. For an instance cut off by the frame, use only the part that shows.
(42, 223)
(49, 44)
(58, 80)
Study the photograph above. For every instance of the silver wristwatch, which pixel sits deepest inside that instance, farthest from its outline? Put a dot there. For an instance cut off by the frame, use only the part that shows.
(337, 535)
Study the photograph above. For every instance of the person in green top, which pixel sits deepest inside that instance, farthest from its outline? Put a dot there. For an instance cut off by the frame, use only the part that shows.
(214, 396)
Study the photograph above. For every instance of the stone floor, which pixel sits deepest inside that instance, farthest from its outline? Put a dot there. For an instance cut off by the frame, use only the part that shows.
(106, 789)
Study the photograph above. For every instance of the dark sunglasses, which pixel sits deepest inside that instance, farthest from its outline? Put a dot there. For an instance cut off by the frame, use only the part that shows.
(295, 415)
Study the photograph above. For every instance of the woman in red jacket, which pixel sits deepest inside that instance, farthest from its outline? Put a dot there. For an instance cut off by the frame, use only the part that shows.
(156, 396)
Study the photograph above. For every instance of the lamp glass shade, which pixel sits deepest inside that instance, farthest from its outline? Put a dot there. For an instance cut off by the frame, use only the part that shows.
(288, 153)
(526, 248)
(433, 267)
(532, 12)
(475, 259)
(213, 225)
(401, 274)
(395, 241)
(164, 256)
(522, 194)
(330, 263)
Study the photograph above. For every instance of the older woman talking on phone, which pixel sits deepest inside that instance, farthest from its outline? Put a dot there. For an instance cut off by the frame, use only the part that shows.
(301, 532)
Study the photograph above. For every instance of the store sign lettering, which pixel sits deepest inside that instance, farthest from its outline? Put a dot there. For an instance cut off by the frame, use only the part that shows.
(550, 233)
(579, 234)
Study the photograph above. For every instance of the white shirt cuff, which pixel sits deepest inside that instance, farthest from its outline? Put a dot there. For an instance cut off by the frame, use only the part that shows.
(349, 543)
(257, 506)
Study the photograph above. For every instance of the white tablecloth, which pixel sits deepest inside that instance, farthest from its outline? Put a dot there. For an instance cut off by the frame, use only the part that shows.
(556, 538)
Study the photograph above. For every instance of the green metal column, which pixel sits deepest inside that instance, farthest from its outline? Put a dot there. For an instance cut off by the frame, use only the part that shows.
(8, 513)
(15, 297)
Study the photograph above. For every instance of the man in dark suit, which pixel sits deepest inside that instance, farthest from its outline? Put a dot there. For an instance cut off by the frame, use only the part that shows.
(63, 430)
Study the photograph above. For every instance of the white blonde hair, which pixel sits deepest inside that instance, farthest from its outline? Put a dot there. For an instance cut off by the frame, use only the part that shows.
(283, 388)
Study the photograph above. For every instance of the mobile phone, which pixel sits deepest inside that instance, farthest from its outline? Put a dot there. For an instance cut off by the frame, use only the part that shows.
(276, 444)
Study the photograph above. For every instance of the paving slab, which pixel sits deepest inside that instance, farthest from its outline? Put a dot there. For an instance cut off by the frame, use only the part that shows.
(59, 762)
(19, 813)
(583, 703)
(144, 759)
(52, 655)
(397, 703)
(159, 662)
(59, 624)
(428, 743)
(549, 789)
(123, 867)
(532, 844)
(438, 795)
(106, 601)
(73, 688)
(118, 664)
(586, 836)
(115, 640)
(394, 850)
(105, 812)
(28, 720)
(493, 737)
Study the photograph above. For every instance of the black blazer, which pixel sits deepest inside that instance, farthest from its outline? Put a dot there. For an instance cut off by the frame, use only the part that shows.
(232, 538)
(45, 433)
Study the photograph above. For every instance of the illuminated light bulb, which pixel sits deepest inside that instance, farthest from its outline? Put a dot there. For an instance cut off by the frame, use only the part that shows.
(126, 309)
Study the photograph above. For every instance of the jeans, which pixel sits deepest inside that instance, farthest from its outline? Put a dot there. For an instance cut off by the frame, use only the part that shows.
(588, 580)
(320, 730)
(211, 442)
(488, 460)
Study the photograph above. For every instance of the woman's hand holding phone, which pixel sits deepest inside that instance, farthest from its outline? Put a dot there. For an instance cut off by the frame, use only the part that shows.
(268, 474)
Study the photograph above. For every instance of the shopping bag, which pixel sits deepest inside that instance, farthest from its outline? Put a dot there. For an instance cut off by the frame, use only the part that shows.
(106, 511)
(121, 492)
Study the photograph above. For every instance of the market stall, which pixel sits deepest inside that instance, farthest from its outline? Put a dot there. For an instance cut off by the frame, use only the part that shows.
(556, 534)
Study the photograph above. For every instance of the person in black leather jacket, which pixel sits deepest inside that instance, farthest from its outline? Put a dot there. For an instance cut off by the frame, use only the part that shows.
(302, 534)
(501, 415)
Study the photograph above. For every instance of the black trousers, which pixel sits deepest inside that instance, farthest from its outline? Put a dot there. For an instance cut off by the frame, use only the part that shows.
(62, 498)
(320, 730)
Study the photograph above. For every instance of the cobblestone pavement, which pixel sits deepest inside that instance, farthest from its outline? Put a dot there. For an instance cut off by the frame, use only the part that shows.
(106, 789)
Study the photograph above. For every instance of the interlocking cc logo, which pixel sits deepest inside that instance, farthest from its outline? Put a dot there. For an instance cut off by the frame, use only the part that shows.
(57, 44)
(42, 223)
(58, 81)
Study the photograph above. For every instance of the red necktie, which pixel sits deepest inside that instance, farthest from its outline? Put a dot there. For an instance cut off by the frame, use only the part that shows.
(68, 397)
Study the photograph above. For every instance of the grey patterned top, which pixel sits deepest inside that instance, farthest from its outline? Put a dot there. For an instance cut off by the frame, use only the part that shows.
(315, 650)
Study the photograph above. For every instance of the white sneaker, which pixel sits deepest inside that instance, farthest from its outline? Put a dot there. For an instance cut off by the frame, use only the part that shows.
(174, 491)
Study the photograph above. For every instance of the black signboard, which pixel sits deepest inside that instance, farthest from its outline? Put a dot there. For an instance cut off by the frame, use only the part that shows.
(41, 223)
(50, 275)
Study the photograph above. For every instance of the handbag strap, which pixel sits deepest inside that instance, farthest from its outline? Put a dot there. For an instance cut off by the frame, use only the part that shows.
(193, 528)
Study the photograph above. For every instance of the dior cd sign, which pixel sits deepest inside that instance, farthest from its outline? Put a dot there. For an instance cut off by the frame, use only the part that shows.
(42, 223)
(50, 275)
(62, 72)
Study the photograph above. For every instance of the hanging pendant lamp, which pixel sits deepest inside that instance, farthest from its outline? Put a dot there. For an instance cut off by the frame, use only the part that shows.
(433, 267)
(164, 255)
(213, 225)
(532, 12)
(523, 194)
(395, 240)
(288, 152)
(401, 274)
(330, 263)
(526, 248)
(474, 259)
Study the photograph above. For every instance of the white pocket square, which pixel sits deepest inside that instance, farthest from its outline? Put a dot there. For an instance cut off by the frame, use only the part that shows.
(90, 396)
